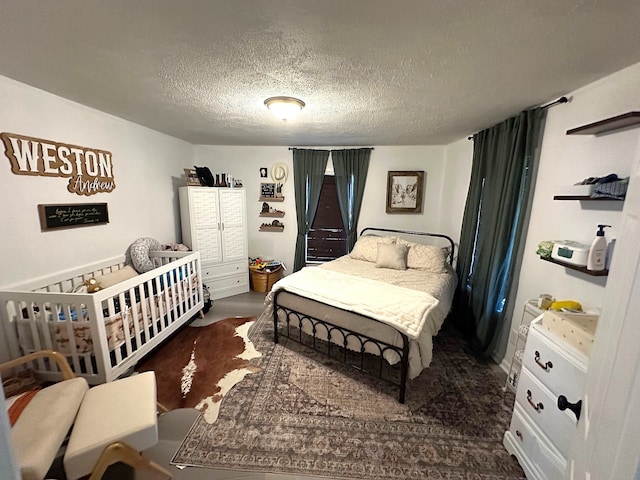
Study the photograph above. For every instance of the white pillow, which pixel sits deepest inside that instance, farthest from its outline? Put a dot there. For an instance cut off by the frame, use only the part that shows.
(392, 256)
(366, 248)
(430, 258)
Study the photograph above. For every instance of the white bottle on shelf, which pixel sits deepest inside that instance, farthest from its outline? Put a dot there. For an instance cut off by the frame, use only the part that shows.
(598, 250)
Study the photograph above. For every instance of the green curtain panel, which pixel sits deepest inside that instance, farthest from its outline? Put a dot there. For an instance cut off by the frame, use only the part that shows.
(308, 172)
(350, 168)
(493, 226)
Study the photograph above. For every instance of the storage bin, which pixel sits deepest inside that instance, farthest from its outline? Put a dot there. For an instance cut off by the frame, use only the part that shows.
(263, 280)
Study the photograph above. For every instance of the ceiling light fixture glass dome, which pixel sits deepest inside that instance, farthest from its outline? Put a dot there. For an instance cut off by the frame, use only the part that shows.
(285, 108)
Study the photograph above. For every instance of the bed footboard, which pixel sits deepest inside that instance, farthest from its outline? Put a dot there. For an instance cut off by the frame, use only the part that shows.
(342, 344)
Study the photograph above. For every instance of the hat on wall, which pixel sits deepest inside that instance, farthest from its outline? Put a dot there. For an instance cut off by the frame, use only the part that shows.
(280, 172)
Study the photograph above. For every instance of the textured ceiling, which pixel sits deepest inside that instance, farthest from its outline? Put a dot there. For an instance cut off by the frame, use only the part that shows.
(371, 72)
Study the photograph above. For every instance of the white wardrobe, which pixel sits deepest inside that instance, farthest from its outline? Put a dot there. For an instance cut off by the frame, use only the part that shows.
(214, 223)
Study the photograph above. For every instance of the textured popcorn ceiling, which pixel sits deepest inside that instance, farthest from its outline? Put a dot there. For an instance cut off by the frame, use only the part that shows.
(372, 72)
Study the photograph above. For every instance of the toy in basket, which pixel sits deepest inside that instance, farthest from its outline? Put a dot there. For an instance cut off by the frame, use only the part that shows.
(264, 273)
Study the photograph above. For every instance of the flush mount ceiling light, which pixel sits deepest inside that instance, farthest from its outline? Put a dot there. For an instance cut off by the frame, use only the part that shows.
(285, 108)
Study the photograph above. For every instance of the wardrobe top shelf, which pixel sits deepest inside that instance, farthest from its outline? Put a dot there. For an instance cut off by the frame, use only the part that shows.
(625, 120)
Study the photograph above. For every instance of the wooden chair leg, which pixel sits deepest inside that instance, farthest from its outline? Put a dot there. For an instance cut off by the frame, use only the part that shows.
(161, 408)
(121, 452)
(201, 314)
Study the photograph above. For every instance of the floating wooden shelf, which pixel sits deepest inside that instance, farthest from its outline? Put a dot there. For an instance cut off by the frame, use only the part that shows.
(271, 228)
(625, 120)
(593, 273)
(272, 199)
(272, 214)
(586, 198)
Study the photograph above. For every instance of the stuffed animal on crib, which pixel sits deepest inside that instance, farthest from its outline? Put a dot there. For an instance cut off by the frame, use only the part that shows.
(92, 285)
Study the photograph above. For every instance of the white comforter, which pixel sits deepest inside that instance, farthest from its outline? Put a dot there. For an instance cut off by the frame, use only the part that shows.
(412, 301)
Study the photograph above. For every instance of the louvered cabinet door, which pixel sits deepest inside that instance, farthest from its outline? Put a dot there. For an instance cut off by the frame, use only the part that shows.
(233, 225)
(199, 215)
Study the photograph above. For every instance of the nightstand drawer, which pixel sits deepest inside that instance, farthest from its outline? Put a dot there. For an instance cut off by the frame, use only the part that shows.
(542, 406)
(557, 371)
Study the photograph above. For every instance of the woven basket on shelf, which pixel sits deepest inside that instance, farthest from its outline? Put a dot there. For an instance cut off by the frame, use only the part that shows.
(262, 281)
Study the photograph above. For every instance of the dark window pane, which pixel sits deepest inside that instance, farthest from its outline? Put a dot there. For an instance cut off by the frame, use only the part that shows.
(327, 239)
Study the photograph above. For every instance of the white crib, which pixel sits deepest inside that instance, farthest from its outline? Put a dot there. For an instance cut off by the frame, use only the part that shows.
(103, 334)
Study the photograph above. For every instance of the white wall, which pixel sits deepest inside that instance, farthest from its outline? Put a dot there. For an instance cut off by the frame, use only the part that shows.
(458, 161)
(441, 187)
(147, 167)
(567, 159)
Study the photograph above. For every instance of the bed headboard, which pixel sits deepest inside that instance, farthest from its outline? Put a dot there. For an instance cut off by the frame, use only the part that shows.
(441, 239)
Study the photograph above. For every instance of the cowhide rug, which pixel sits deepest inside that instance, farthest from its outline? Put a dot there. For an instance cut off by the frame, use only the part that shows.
(197, 367)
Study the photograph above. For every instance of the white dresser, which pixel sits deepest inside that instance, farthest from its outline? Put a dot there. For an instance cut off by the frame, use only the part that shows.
(540, 433)
(214, 223)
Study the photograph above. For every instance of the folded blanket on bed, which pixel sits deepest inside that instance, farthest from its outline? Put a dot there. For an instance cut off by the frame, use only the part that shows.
(399, 307)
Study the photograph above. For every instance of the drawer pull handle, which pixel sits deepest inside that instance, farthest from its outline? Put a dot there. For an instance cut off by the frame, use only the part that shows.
(519, 435)
(536, 406)
(576, 408)
(545, 366)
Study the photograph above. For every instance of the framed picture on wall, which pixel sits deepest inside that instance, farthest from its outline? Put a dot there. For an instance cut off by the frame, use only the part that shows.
(405, 191)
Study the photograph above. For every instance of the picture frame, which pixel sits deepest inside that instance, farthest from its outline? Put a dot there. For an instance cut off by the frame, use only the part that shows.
(405, 191)
(267, 190)
(69, 215)
(192, 177)
(263, 172)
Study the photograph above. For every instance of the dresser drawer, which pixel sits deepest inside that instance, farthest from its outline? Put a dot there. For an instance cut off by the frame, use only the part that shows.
(559, 372)
(224, 269)
(530, 448)
(542, 407)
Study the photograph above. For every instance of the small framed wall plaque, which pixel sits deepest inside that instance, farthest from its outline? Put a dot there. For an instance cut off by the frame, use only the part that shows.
(72, 215)
(192, 177)
(268, 190)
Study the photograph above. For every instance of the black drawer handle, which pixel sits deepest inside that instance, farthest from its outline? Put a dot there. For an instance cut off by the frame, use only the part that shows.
(519, 435)
(536, 406)
(545, 366)
(564, 404)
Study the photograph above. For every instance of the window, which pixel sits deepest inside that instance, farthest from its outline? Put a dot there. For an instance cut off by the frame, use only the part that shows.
(327, 238)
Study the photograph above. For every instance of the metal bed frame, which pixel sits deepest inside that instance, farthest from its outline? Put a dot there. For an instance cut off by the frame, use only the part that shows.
(294, 322)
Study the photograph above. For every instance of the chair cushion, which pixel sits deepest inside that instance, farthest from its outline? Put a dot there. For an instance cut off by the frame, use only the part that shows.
(43, 425)
(119, 411)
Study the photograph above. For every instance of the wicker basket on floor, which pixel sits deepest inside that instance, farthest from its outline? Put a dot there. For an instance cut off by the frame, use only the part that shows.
(263, 280)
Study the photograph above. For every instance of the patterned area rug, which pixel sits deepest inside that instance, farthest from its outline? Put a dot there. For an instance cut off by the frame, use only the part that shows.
(302, 413)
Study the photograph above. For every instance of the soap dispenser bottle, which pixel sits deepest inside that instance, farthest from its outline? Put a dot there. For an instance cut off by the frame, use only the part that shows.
(598, 250)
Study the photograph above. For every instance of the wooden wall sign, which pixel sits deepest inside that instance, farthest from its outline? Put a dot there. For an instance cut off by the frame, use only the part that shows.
(72, 215)
(89, 170)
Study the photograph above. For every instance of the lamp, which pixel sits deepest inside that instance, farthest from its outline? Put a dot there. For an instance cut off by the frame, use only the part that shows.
(285, 108)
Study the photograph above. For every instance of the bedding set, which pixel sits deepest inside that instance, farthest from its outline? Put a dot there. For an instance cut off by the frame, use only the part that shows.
(387, 288)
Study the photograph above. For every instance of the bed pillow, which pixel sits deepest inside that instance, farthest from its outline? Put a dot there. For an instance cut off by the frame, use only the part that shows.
(430, 258)
(391, 255)
(366, 248)
(140, 253)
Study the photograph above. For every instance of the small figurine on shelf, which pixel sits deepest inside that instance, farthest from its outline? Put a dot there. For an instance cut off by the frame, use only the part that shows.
(265, 207)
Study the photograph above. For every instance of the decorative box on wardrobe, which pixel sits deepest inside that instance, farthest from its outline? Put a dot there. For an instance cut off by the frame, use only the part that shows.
(540, 433)
(214, 223)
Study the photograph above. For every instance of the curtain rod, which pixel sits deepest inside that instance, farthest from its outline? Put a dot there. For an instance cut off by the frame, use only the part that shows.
(298, 148)
(556, 102)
